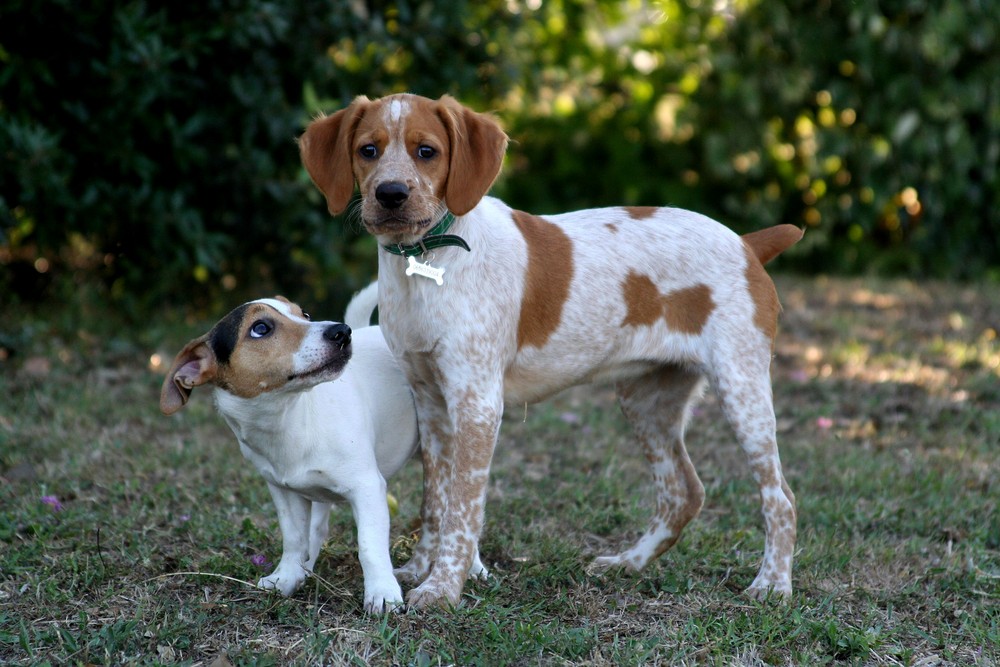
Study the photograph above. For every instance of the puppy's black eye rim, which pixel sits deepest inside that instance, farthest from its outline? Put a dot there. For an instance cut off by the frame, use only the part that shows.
(260, 328)
(306, 315)
(426, 152)
(368, 151)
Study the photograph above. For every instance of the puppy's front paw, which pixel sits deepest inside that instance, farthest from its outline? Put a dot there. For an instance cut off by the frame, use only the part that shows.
(383, 597)
(283, 581)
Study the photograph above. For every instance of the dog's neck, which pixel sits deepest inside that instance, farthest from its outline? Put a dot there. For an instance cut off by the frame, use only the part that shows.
(476, 236)
(257, 422)
(436, 237)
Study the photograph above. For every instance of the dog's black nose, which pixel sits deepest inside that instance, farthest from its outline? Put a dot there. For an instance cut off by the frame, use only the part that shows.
(392, 194)
(338, 334)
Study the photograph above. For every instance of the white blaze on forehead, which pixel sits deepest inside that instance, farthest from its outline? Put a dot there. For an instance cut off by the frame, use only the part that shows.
(395, 163)
(282, 307)
(396, 109)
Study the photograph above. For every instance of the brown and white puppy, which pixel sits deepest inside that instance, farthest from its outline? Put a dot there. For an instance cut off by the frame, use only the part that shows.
(657, 300)
(323, 412)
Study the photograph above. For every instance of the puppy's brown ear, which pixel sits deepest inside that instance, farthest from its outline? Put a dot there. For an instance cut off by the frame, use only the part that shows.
(194, 365)
(328, 155)
(477, 149)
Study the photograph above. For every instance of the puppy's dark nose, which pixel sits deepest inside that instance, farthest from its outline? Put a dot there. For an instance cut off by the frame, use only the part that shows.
(392, 194)
(338, 334)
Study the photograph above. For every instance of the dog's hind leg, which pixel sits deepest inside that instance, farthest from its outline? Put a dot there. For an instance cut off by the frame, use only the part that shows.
(743, 383)
(656, 405)
(478, 571)
(319, 530)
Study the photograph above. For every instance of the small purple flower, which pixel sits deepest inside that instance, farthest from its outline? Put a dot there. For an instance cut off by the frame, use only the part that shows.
(53, 502)
(570, 418)
(185, 518)
(259, 560)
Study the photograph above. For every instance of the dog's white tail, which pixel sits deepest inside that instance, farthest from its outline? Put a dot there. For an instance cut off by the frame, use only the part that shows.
(359, 311)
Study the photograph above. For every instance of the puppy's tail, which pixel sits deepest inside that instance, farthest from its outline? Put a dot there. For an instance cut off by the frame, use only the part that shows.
(358, 314)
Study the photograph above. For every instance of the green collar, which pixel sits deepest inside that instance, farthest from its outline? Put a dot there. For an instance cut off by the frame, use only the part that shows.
(435, 238)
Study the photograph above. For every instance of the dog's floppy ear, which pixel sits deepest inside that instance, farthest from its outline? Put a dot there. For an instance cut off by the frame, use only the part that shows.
(194, 365)
(477, 149)
(328, 156)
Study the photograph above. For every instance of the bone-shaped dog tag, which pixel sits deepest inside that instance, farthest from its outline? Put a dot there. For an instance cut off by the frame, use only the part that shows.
(425, 270)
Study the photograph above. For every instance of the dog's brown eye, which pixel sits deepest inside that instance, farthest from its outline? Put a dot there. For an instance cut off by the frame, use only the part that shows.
(260, 328)
(306, 315)
(368, 151)
(426, 152)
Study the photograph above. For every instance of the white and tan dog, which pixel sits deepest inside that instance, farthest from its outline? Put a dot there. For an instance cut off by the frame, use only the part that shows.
(323, 412)
(508, 307)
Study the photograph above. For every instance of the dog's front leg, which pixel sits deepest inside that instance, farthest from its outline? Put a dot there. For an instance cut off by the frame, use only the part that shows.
(371, 516)
(475, 411)
(319, 530)
(293, 518)
(435, 451)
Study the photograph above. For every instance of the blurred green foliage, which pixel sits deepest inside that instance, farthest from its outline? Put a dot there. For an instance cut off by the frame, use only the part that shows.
(148, 148)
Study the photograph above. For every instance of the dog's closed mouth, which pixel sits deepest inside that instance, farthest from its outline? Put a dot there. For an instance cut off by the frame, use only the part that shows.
(333, 366)
(391, 224)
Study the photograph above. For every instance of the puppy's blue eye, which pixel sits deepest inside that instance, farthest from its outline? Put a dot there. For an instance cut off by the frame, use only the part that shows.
(426, 152)
(368, 151)
(260, 329)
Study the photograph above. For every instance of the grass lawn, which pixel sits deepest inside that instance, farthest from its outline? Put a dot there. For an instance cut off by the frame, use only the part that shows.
(127, 537)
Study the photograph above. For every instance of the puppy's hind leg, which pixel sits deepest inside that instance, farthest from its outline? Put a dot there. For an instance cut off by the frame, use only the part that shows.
(656, 405)
(478, 571)
(744, 386)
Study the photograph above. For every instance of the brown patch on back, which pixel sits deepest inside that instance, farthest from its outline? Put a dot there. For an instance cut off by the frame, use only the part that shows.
(685, 310)
(642, 300)
(765, 297)
(612, 227)
(546, 286)
(641, 212)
